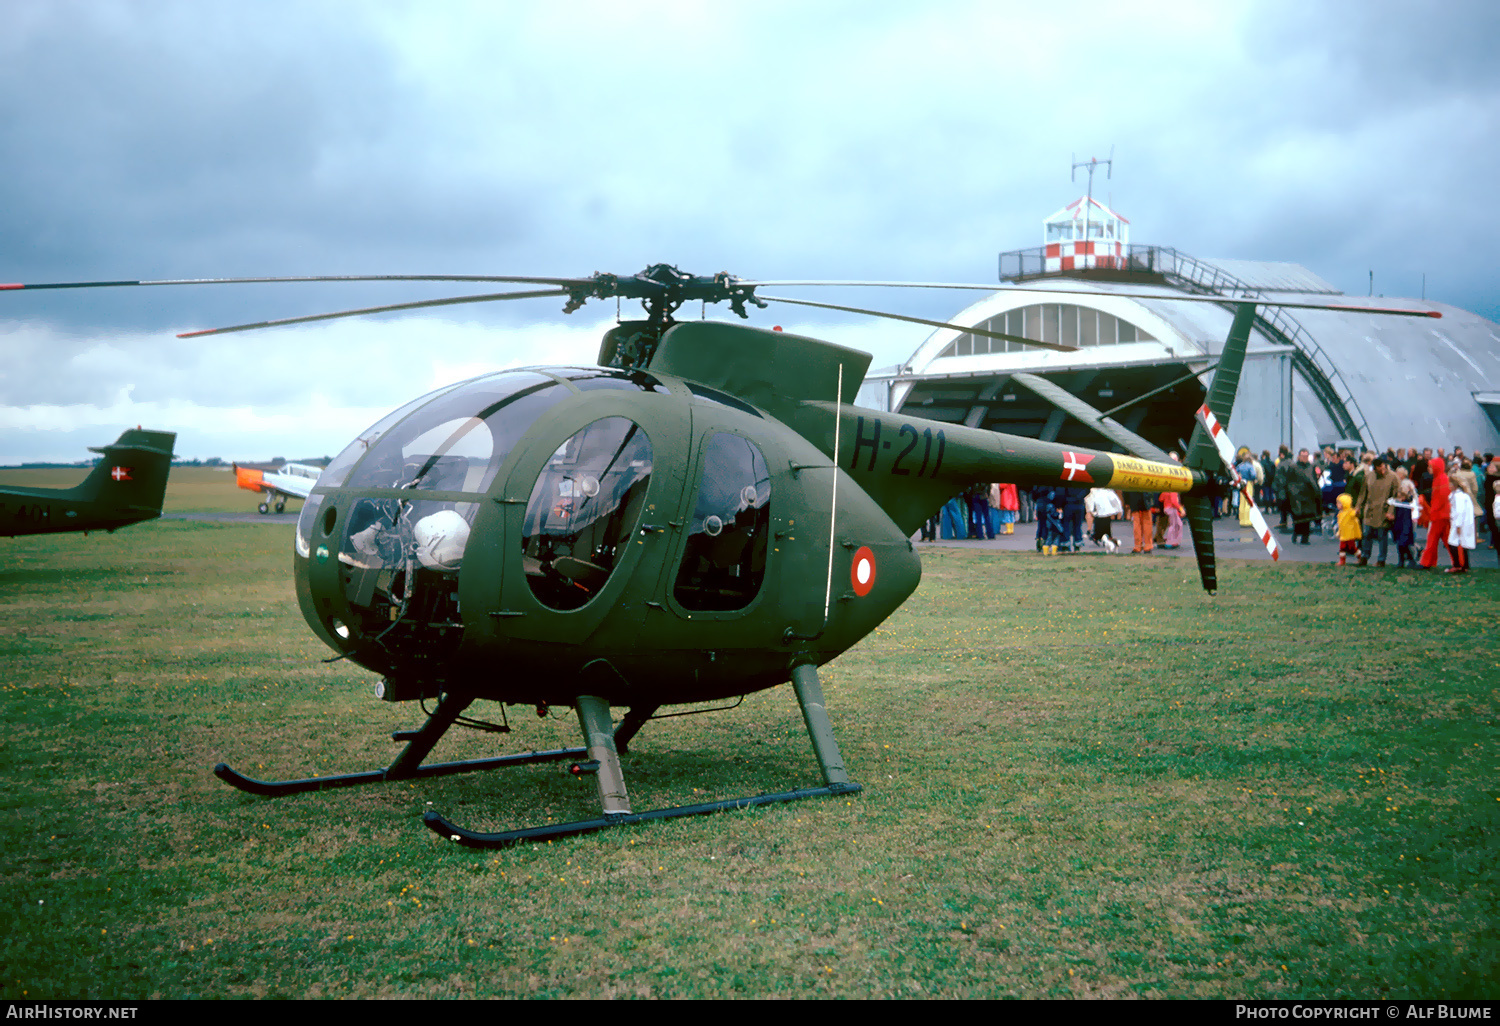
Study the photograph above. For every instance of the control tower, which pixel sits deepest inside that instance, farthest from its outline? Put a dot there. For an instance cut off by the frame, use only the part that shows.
(1085, 235)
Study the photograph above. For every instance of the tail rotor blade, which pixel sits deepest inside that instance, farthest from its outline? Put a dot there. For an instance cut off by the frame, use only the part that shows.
(1200, 518)
(1217, 435)
(1262, 529)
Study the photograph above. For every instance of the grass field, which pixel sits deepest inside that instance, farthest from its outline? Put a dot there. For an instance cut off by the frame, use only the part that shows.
(1082, 778)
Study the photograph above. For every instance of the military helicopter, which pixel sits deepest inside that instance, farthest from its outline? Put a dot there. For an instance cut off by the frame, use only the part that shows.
(124, 488)
(701, 516)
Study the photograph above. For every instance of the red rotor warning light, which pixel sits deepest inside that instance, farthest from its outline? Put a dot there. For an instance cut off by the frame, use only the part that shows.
(862, 571)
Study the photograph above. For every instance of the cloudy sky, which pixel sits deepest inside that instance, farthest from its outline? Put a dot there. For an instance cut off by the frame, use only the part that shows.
(838, 139)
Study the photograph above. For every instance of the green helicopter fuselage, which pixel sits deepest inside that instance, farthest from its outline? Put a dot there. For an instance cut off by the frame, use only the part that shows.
(678, 533)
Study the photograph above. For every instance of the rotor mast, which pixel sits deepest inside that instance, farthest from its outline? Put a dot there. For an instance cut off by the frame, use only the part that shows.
(661, 288)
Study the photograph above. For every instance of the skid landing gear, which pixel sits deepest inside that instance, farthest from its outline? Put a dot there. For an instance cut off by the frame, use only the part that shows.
(604, 762)
(407, 766)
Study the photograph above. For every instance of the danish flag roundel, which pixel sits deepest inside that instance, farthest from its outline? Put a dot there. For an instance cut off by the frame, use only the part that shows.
(121, 474)
(1075, 468)
(862, 572)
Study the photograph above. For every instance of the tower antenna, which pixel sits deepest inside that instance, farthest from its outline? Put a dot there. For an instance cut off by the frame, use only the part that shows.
(1092, 164)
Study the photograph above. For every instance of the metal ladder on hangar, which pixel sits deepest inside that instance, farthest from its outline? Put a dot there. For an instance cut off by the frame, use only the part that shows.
(1278, 325)
(1196, 276)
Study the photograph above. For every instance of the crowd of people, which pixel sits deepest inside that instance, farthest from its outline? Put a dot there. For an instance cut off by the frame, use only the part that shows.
(1373, 502)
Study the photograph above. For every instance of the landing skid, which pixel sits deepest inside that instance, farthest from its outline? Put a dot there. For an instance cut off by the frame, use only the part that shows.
(473, 839)
(599, 758)
(407, 766)
(278, 788)
(604, 741)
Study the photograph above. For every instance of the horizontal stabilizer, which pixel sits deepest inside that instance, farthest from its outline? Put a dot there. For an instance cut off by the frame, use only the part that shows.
(158, 442)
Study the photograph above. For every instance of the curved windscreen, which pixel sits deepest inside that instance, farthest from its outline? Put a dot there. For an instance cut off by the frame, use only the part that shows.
(456, 441)
(305, 522)
(593, 378)
(339, 467)
(398, 565)
(582, 510)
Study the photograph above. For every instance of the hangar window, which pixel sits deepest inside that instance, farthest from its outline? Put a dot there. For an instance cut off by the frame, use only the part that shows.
(1067, 323)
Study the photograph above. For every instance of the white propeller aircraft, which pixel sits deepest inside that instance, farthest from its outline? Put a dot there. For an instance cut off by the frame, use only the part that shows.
(277, 484)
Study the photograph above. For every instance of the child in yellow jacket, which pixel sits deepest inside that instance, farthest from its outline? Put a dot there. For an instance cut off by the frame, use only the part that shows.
(1350, 529)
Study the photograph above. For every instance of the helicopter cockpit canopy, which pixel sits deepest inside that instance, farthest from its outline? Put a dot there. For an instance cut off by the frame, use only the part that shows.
(408, 490)
(417, 478)
(450, 441)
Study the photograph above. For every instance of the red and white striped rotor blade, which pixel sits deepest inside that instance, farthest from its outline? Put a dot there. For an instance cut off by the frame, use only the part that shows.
(1262, 528)
(1226, 453)
(1216, 432)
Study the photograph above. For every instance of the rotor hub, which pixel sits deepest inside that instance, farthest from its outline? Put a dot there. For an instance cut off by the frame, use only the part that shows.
(661, 288)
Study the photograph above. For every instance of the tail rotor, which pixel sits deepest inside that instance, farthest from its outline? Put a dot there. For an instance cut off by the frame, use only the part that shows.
(1204, 451)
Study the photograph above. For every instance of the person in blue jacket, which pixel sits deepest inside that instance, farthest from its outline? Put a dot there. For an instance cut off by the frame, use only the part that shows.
(1071, 528)
(1048, 518)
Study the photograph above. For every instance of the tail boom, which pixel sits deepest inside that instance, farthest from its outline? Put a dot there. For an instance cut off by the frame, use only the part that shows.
(911, 466)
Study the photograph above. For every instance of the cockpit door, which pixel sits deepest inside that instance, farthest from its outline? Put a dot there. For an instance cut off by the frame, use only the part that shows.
(585, 514)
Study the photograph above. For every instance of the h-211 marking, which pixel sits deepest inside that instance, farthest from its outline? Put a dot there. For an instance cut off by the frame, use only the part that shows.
(929, 466)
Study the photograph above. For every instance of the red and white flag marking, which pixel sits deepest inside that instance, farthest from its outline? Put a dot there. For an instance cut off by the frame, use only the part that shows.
(1075, 468)
(121, 474)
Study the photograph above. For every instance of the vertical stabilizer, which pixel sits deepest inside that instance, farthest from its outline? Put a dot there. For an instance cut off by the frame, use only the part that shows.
(130, 482)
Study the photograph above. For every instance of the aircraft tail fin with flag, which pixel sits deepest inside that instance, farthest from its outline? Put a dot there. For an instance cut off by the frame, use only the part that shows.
(130, 483)
(125, 487)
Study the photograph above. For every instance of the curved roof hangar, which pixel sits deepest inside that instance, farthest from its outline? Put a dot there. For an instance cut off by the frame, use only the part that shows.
(1315, 378)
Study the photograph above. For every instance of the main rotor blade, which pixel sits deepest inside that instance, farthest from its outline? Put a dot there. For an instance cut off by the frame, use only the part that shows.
(1178, 298)
(376, 309)
(509, 279)
(877, 284)
(923, 320)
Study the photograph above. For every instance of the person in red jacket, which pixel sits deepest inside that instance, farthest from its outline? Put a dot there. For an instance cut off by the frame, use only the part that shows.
(1008, 502)
(1439, 511)
(1171, 507)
